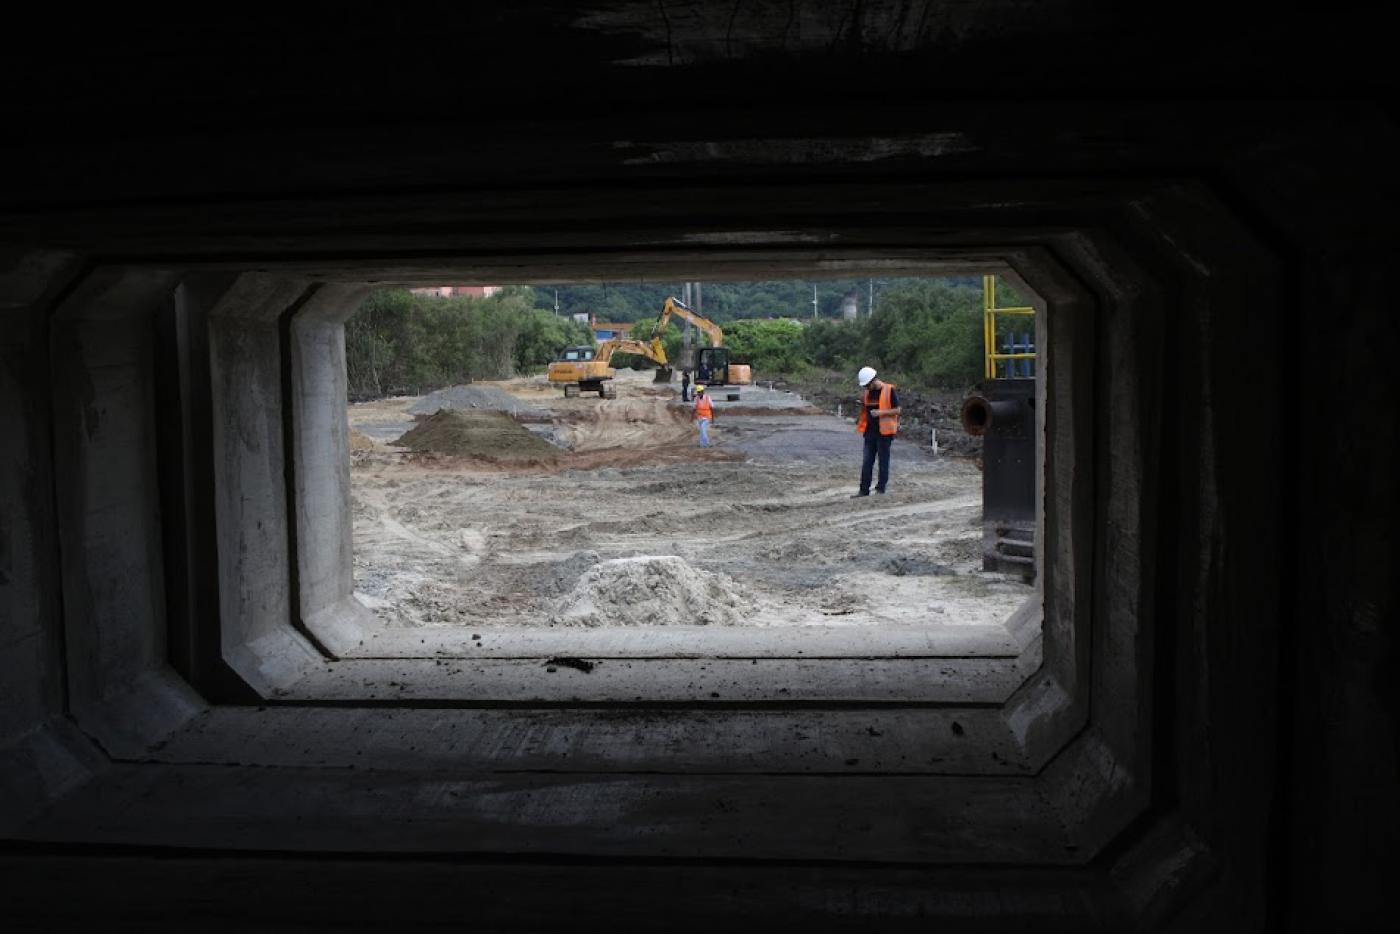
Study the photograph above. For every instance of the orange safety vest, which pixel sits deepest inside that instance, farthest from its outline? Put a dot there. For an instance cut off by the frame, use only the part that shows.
(703, 409)
(889, 424)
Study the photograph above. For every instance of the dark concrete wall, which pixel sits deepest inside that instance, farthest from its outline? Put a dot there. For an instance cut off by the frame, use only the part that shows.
(31, 670)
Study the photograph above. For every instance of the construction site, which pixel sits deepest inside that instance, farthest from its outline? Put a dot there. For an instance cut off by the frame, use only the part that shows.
(292, 639)
(485, 511)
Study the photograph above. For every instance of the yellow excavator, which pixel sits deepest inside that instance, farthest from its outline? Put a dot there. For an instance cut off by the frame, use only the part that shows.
(586, 369)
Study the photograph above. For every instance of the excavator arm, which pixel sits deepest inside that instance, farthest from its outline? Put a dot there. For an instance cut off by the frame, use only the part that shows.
(651, 349)
(678, 309)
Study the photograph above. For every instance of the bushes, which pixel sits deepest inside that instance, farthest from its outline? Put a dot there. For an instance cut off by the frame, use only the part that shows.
(540, 337)
(929, 332)
(767, 346)
(832, 345)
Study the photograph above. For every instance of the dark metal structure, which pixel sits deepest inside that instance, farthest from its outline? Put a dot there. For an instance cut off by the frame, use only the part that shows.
(1003, 414)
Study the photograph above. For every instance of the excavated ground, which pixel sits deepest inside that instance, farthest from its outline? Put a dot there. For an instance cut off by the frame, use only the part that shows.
(759, 530)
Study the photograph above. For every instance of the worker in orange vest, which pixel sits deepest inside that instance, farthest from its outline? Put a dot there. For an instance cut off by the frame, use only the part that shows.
(878, 422)
(703, 413)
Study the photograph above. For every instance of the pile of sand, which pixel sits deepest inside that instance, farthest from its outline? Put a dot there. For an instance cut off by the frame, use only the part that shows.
(651, 591)
(476, 397)
(359, 441)
(632, 423)
(486, 435)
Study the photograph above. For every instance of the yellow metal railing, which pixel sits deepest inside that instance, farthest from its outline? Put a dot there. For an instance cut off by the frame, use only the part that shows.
(989, 327)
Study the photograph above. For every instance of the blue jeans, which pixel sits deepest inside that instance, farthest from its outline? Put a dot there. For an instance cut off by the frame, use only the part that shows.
(704, 432)
(876, 444)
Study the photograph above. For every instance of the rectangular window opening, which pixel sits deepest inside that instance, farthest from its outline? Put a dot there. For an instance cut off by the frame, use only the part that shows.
(528, 482)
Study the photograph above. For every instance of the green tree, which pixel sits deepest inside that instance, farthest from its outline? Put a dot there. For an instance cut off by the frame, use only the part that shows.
(930, 331)
(769, 346)
(541, 335)
(832, 344)
(373, 338)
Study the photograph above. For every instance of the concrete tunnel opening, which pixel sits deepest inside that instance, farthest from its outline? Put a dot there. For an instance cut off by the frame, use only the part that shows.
(502, 524)
(191, 202)
(290, 623)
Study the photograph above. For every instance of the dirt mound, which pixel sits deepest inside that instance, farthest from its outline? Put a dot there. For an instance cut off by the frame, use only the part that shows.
(486, 435)
(359, 441)
(633, 423)
(651, 591)
(475, 397)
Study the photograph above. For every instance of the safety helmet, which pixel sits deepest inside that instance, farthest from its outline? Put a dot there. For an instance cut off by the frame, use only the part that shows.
(699, 389)
(866, 374)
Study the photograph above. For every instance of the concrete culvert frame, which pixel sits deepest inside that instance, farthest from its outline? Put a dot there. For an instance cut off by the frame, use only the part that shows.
(188, 666)
(290, 628)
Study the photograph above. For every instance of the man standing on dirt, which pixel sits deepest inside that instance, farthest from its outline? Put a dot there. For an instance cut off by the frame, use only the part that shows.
(878, 422)
(685, 385)
(703, 413)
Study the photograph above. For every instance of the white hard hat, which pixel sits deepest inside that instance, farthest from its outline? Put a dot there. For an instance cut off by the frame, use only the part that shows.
(866, 374)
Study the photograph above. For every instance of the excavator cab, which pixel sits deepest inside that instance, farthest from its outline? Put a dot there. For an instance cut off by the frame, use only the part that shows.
(713, 369)
(712, 366)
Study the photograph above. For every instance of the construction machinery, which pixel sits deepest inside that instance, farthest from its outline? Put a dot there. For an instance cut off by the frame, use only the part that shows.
(1002, 413)
(586, 369)
(710, 365)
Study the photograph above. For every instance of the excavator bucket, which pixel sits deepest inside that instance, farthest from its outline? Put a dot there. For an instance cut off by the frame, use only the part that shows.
(663, 375)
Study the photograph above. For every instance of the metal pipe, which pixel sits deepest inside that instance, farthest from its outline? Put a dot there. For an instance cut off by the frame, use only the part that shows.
(979, 414)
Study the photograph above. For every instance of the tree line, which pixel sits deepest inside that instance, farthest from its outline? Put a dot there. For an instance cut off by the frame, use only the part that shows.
(924, 332)
(724, 301)
(402, 343)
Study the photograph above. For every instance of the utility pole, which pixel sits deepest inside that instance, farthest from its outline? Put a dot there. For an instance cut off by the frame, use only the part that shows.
(814, 303)
(556, 301)
(870, 305)
(687, 339)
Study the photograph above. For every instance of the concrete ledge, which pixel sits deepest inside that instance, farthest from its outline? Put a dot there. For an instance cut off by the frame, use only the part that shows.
(795, 642)
(884, 819)
(662, 681)
(572, 741)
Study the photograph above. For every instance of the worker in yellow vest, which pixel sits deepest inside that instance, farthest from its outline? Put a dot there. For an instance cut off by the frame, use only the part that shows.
(703, 413)
(878, 422)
